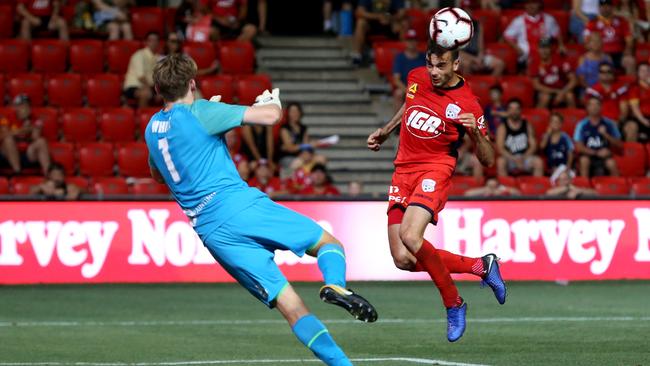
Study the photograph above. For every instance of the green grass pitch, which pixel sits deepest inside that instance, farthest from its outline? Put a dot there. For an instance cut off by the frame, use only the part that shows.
(584, 323)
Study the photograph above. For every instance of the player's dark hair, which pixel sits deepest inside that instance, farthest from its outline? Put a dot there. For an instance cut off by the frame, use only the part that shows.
(435, 49)
(172, 76)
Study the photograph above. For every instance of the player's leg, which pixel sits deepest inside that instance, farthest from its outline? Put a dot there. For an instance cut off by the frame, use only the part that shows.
(308, 329)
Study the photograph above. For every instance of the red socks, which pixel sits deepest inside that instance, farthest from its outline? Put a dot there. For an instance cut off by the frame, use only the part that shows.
(455, 263)
(428, 257)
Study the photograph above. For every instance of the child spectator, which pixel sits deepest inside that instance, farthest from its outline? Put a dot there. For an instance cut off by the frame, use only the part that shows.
(556, 144)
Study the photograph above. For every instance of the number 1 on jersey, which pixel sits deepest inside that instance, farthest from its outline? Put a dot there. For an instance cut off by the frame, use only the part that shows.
(164, 148)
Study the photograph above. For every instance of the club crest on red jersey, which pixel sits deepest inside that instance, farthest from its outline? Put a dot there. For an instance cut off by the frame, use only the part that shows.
(424, 123)
(452, 111)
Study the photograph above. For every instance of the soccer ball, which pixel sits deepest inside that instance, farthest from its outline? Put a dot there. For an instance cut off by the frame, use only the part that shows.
(451, 28)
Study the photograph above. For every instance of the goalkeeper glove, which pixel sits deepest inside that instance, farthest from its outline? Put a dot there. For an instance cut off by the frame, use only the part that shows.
(267, 97)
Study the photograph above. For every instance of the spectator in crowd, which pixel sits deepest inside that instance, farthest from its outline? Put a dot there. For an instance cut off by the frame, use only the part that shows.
(404, 62)
(467, 163)
(582, 12)
(492, 188)
(184, 16)
(301, 168)
(293, 134)
(173, 45)
(639, 104)
(83, 16)
(355, 188)
(24, 128)
(515, 142)
(553, 78)
(337, 17)
(562, 185)
(258, 144)
(265, 181)
(320, 183)
(377, 17)
(241, 162)
(229, 18)
(590, 61)
(256, 15)
(474, 60)
(629, 10)
(200, 24)
(617, 37)
(495, 111)
(41, 15)
(611, 92)
(138, 81)
(594, 136)
(54, 187)
(113, 16)
(557, 144)
(526, 30)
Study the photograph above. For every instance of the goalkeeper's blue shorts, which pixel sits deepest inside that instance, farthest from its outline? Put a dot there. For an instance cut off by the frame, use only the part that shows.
(245, 245)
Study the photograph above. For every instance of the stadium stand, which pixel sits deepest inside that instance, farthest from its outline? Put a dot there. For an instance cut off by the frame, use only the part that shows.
(4, 185)
(236, 57)
(87, 56)
(132, 159)
(96, 159)
(610, 186)
(218, 85)
(14, 55)
(104, 90)
(79, 125)
(117, 124)
(49, 56)
(64, 90)
(64, 154)
(109, 186)
(30, 84)
(118, 54)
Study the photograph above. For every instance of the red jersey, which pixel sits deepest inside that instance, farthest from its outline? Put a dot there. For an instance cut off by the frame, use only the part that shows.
(38, 8)
(273, 185)
(226, 8)
(613, 32)
(641, 93)
(430, 134)
(554, 74)
(611, 98)
(327, 190)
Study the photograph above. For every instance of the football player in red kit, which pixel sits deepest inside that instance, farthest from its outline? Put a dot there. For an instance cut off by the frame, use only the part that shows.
(439, 110)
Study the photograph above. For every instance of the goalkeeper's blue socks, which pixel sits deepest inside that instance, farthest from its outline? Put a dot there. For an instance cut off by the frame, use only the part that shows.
(313, 334)
(331, 261)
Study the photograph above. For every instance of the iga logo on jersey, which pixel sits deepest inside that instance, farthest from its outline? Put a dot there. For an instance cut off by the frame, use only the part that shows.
(424, 123)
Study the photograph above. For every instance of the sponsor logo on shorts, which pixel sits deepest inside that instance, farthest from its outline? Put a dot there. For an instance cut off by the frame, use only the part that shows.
(424, 123)
(424, 197)
(428, 185)
(393, 196)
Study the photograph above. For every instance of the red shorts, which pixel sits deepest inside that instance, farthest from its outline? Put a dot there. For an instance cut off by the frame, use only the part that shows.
(426, 189)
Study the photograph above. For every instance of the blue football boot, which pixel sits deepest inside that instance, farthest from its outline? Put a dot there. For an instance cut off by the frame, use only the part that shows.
(456, 321)
(492, 277)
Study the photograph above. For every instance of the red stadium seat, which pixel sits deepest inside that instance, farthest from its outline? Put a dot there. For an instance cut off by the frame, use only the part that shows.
(489, 24)
(4, 186)
(145, 20)
(2, 88)
(539, 119)
(133, 159)
(49, 56)
(581, 182)
(104, 90)
(30, 84)
(573, 53)
(642, 52)
(79, 125)
(148, 187)
(81, 182)
(480, 85)
(237, 57)
(96, 159)
(218, 85)
(117, 124)
(418, 21)
(64, 90)
(170, 19)
(14, 55)
(647, 149)
(118, 54)
(555, 4)
(203, 53)
(64, 154)
(460, 184)
(610, 186)
(562, 18)
(533, 186)
(508, 181)
(640, 186)
(22, 185)
(505, 53)
(50, 118)
(518, 87)
(249, 87)
(6, 21)
(385, 53)
(142, 117)
(87, 56)
(110, 186)
(632, 163)
(571, 118)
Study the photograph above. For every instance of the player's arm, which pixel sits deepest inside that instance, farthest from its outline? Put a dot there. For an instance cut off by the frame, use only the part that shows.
(381, 134)
(155, 174)
(266, 111)
(484, 149)
(218, 118)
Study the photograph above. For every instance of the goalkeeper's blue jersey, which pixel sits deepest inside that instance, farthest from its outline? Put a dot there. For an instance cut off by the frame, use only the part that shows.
(187, 146)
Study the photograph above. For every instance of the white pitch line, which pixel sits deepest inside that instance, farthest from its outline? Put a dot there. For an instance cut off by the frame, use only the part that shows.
(329, 321)
(231, 362)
